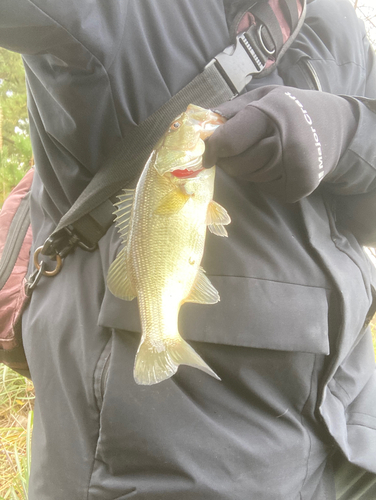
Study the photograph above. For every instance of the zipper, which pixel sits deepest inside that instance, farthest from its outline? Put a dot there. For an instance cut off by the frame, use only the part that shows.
(315, 76)
(104, 376)
(310, 74)
(101, 373)
(16, 235)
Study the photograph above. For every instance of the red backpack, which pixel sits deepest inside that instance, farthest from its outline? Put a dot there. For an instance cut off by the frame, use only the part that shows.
(15, 244)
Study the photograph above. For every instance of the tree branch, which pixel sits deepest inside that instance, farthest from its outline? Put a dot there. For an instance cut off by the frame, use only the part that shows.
(6, 139)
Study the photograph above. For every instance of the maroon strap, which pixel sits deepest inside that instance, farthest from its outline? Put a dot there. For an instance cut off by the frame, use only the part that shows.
(278, 21)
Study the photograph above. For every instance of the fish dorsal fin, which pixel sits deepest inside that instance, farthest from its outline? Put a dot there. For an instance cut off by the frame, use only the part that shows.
(172, 203)
(118, 281)
(202, 291)
(216, 218)
(123, 213)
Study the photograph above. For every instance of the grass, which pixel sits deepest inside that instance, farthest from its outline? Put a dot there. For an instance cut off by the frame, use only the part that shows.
(373, 328)
(16, 421)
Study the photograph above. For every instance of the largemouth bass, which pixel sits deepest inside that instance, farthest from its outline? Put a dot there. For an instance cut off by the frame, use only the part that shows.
(163, 224)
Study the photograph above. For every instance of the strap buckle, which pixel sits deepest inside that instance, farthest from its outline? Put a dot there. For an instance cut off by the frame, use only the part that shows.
(241, 61)
(63, 242)
(60, 244)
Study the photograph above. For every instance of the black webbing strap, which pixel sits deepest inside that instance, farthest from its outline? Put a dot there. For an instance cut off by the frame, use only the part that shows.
(222, 79)
(208, 89)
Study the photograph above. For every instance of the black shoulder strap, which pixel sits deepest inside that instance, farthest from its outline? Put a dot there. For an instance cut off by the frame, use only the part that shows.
(255, 50)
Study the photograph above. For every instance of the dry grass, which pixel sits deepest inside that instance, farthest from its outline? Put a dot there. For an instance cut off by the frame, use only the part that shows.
(16, 407)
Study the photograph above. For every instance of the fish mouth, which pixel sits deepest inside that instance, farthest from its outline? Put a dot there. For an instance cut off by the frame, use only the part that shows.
(207, 121)
(190, 159)
(180, 151)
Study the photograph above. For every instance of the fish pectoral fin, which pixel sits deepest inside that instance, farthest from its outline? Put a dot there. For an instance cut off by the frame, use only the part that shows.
(118, 281)
(172, 203)
(216, 218)
(123, 213)
(217, 214)
(153, 365)
(202, 291)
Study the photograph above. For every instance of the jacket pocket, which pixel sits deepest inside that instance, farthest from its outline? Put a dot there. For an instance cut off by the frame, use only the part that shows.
(349, 405)
(101, 373)
(252, 312)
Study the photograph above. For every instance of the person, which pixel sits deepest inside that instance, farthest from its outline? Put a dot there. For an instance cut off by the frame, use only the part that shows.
(289, 339)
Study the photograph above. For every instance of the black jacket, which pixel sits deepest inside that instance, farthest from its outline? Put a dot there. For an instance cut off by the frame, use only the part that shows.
(94, 70)
(284, 267)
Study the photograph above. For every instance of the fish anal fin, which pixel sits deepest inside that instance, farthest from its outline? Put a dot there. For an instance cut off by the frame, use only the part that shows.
(118, 281)
(216, 218)
(153, 365)
(202, 291)
(172, 203)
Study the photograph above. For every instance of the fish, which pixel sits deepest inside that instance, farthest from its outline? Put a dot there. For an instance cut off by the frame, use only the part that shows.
(162, 225)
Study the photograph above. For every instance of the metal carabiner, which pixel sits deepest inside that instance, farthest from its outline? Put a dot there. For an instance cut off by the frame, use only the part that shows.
(34, 279)
(39, 265)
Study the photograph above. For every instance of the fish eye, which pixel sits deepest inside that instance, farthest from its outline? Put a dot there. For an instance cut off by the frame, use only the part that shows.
(175, 125)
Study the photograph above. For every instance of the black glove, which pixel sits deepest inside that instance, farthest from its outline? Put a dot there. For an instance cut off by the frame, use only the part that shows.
(285, 138)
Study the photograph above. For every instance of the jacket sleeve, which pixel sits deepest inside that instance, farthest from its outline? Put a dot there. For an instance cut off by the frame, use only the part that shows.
(25, 28)
(354, 179)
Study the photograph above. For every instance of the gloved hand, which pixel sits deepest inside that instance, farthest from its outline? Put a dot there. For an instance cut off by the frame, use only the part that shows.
(285, 138)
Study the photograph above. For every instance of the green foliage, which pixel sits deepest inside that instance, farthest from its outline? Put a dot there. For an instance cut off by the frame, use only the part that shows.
(15, 147)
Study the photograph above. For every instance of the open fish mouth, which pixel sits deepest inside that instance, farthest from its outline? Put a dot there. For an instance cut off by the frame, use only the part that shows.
(206, 120)
(180, 150)
(170, 161)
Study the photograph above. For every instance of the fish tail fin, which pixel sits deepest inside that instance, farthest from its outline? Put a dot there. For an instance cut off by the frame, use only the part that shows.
(153, 365)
